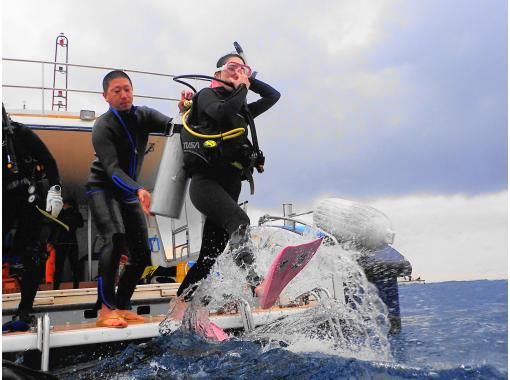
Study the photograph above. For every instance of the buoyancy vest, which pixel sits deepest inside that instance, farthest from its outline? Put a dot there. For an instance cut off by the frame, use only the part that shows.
(20, 167)
(203, 152)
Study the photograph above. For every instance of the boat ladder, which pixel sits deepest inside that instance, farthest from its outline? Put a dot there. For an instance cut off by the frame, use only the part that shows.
(246, 315)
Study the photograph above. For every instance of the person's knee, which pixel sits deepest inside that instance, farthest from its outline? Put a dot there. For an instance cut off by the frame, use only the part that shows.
(118, 240)
(114, 243)
(237, 221)
(140, 258)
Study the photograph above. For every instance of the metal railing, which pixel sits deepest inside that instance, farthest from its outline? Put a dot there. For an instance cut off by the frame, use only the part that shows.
(44, 88)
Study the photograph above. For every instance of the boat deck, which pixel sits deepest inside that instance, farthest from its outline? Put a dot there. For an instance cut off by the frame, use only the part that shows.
(62, 317)
(88, 295)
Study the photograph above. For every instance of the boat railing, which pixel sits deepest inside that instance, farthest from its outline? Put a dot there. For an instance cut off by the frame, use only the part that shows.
(264, 219)
(43, 88)
(181, 248)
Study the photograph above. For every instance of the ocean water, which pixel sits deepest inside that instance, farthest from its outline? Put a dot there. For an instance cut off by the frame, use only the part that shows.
(450, 330)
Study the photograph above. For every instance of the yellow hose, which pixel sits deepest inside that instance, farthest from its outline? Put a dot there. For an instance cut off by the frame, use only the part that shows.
(233, 133)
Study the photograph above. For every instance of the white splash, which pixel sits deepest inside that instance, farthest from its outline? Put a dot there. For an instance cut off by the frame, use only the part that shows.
(352, 323)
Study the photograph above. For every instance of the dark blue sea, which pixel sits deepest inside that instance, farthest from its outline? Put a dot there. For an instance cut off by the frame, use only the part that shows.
(450, 330)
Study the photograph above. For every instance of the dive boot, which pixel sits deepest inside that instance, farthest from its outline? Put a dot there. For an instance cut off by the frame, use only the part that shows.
(22, 321)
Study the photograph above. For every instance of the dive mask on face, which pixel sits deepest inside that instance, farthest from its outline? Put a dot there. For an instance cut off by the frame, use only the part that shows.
(234, 67)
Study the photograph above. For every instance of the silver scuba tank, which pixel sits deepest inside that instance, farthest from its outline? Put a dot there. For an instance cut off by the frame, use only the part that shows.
(171, 181)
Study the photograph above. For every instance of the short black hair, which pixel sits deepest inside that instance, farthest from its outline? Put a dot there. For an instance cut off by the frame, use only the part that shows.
(225, 58)
(114, 75)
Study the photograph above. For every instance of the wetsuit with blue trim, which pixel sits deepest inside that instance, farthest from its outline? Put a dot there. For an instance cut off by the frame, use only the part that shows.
(216, 183)
(120, 140)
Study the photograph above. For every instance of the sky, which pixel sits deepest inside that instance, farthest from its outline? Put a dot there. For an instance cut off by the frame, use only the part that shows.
(401, 105)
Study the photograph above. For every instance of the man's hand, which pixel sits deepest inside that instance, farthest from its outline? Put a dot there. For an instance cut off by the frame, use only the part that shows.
(54, 201)
(185, 96)
(145, 200)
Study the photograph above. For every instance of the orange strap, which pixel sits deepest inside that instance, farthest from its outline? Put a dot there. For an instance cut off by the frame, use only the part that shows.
(50, 264)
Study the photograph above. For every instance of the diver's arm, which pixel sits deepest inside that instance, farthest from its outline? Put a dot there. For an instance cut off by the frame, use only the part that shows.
(40, 152)
(269, 96)
(156, 122)
(222, 109)
(106, 151)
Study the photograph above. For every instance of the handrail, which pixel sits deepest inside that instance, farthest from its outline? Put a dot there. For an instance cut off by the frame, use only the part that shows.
(44, 88)
(83, 91)
(269, 218)
(86, 66)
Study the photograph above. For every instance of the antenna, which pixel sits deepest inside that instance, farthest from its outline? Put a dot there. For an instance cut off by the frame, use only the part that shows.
(60, 73)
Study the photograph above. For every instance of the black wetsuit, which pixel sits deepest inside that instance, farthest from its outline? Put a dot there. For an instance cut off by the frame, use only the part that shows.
(216, 184)
(32, 233)
(120, 140)
(66, 245)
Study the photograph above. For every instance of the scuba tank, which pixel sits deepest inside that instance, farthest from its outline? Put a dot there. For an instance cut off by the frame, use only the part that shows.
(172, 180)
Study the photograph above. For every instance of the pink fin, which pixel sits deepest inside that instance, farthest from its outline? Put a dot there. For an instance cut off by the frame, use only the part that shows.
(211, 331)
(286, 265)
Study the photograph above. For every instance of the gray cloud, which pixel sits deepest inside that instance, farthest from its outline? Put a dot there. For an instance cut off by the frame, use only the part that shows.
(380, 100)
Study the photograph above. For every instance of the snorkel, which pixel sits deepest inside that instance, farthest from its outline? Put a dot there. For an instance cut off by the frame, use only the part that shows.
(259, 158)
(240, 51)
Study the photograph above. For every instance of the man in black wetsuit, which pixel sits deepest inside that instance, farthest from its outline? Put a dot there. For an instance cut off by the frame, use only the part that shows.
(30, 185)
(216, 173)
(116, 200)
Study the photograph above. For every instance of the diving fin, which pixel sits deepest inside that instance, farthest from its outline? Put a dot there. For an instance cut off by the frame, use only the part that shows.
(210, 330)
